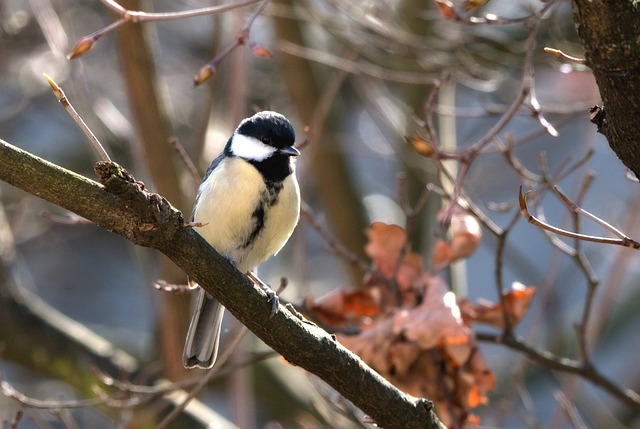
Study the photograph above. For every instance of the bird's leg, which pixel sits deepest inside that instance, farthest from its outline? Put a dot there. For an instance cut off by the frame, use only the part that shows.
(273, 297)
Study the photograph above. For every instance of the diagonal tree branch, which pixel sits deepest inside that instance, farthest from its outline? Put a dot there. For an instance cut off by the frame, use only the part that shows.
(122, 205)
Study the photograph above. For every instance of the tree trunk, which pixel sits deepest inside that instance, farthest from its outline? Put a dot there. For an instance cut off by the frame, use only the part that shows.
(609, 33)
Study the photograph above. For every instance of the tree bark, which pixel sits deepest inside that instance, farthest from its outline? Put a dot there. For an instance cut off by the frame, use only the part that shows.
(122, 205)
(609, 33)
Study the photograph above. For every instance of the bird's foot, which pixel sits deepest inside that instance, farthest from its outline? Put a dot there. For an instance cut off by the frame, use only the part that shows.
(230, 259)
(273, 297)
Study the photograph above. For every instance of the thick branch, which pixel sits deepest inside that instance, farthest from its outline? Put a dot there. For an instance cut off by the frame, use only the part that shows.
(609, 31)
(123, 206)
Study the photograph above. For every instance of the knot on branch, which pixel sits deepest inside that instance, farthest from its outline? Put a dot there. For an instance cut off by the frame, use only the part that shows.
(151, 212)
(116, 179)
(598, 117)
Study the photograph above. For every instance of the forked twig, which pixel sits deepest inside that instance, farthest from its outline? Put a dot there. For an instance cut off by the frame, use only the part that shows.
(242, 38)
(623, 240)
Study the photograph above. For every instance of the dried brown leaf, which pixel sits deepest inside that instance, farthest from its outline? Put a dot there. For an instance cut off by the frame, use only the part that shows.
(465, 234)
(386, 244)
(436, 321)
(345, 306)
(517, 302)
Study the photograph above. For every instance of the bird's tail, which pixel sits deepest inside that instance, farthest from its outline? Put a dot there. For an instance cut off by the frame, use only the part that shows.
(201, 346)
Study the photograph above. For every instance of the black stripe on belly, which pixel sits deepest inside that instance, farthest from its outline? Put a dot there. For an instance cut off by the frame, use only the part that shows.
(268, 198)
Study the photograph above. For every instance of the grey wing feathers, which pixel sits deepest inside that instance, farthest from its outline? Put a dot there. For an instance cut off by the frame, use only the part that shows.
(212, 167)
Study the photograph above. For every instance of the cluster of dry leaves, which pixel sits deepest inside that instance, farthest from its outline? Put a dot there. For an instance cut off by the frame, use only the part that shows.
(406, 324)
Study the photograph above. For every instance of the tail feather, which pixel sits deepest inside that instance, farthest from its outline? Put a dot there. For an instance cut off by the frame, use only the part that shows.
(203, 337)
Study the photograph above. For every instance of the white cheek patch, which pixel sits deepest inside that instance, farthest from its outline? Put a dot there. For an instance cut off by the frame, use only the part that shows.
(250, 148)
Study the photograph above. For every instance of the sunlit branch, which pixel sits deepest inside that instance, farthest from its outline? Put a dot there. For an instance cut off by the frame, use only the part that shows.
(62, 98)
(559, 53)
(623, 241)
(579, 210)
(537, 111)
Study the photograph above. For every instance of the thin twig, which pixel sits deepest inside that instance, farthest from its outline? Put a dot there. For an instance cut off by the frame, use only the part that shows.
(356, 67)
(498, 273)
(579, 210)
(129, 16)
(569, 409)
(623, 241)
(592, 280)
(559, 53)
(411, 212)
(514, 162)
(140, 16)
(307, 213)
(62, 98)
(566, 365)
(242, 38)
(186, 160)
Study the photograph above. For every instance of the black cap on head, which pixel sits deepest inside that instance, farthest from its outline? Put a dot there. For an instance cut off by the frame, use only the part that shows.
(271, 128)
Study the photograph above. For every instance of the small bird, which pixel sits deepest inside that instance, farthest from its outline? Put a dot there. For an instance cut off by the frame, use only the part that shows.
(247, 205)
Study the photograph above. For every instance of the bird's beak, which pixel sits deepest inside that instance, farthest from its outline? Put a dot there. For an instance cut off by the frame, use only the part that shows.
(289, 150)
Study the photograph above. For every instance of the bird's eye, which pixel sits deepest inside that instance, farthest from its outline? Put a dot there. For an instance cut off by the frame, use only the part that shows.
(266, 139)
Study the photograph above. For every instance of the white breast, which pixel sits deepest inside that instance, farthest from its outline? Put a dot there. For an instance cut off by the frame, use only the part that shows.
(226, 204)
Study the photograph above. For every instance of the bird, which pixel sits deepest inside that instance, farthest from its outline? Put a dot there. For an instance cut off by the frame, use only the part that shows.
(246, 208)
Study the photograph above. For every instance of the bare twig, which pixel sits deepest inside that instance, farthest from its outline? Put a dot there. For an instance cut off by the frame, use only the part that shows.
(592, 280)
(498, 272)
(186, 160)
(129, 16)
(570, 409)
(356, 67)
(559, 53)
(62, 98)
(242, 38)
(411, 212)
(570, 366)
(622, 241)
(335, 245)
(9, 391)
(13, 423)
(537, 111)
(507, 151)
